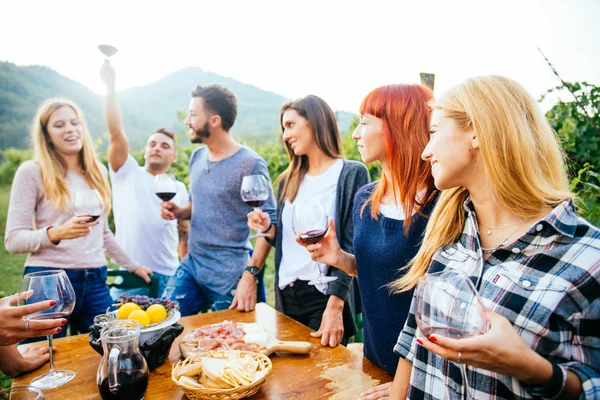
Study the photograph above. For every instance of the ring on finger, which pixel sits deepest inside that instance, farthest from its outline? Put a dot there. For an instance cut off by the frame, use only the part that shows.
(26, 324)
(459, 358)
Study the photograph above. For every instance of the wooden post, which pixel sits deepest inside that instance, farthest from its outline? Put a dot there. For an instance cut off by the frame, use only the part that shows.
(427, 79)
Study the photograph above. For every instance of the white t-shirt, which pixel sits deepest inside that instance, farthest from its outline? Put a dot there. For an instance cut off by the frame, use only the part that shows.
(296, 263)
(396, 211)
(147, 238)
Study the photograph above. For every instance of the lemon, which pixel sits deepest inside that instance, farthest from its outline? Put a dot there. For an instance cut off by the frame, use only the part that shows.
(140, 316)
(126, 309)
(157, 313)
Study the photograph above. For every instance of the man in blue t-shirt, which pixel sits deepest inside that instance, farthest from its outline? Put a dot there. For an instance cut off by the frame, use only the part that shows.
(218, 270)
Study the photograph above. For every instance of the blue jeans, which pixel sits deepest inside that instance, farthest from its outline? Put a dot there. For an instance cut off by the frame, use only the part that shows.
(192, 295)
(91, 298)
(141, 291)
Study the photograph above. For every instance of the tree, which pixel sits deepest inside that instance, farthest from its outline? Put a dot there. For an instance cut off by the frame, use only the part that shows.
(577, 122)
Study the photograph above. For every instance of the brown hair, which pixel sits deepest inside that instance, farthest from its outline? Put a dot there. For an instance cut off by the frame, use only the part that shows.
(321, 120)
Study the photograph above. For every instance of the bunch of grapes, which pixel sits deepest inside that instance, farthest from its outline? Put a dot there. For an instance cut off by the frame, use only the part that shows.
(144, 301)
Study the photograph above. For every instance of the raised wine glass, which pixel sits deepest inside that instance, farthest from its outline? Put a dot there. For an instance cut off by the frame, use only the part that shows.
(42, 286)
(447, 304)
(255, 193)
(165, 187)
(89, 203)
(310, 224)
(107, 50)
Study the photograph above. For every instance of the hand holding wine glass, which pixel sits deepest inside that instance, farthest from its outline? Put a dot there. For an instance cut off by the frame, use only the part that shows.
(327, 250)
(255, 193)
(310, 225)
(165, 187)
(447, 306)
(54, 286)
(88, 203)
(12, 329)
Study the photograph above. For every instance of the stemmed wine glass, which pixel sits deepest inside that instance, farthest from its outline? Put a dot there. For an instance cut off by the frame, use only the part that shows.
(21, 393)
(89, 203)
(447, 304)
(42, 286)
(255, 193)
(310, 223)
(165, 187)
(107, 50)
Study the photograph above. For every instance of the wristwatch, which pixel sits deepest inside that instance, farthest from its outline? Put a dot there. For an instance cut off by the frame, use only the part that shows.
(254, 271)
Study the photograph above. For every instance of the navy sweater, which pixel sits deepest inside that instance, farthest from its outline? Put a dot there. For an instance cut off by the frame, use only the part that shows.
(381, 249)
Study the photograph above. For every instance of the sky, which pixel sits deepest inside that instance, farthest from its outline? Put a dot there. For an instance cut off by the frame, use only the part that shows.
(338, 50)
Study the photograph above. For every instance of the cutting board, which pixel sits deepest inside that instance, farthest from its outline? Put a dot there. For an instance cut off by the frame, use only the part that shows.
(255, 333)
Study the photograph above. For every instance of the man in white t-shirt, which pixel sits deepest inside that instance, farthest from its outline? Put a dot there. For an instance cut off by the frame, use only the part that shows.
(140, 230)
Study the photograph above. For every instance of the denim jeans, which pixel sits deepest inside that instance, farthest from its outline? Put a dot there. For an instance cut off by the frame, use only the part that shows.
(91, 297)
(163, 280)
(192, 295)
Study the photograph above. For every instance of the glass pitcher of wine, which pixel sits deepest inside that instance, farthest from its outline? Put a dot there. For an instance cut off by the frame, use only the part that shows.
(123, 371)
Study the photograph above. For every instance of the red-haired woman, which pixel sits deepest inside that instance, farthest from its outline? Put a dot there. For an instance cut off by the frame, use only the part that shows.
(389, 215)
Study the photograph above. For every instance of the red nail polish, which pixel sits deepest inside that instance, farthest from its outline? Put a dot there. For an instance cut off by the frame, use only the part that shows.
(64, 321)
(433, 339)
(58, 330)
(420, 342)
(52, 303)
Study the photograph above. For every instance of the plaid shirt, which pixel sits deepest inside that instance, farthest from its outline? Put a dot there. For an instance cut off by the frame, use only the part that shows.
(547, 284)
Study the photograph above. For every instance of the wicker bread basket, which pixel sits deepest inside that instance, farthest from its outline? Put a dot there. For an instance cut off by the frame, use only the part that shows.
(242, 392)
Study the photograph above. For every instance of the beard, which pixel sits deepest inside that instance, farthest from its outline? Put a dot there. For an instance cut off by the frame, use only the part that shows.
(200, 134)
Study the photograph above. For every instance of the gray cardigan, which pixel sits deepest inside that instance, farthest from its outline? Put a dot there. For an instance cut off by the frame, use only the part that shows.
(354, 175)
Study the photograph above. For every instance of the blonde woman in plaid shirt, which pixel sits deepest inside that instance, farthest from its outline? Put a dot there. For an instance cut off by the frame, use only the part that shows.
(506, 219)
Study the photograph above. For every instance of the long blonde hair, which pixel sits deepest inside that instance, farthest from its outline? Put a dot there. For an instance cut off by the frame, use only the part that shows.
(523, 160)
(52, 166)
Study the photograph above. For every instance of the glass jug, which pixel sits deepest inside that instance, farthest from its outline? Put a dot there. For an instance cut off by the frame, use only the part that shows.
(123, 371)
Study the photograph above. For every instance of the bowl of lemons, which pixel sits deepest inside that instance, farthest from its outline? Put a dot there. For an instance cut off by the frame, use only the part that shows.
(153, 314)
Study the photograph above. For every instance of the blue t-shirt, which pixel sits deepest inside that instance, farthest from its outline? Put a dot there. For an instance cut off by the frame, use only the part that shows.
(381, 249)
(218, 241)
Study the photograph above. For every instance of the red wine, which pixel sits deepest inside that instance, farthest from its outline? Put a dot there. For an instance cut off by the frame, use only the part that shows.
(132, 386)
(453, 333)
(312, 237)
(50, 315)
(94, 217)
(255, 203)
(166, 196)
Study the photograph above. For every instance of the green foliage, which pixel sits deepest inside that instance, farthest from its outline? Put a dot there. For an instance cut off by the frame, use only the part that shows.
(11, 159)
(579, 132)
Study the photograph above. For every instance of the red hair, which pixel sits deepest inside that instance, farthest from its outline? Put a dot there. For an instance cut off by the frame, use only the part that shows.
(405, 112)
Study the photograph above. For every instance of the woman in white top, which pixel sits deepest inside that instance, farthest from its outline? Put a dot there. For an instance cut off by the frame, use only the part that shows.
(43, 192)
(316, 172)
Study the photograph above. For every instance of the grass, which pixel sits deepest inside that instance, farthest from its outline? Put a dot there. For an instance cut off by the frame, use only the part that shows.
(11, 266)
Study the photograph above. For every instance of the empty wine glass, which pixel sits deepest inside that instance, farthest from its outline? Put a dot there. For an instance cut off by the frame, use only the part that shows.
(21, 393)
(107, 50)
(447, 304)
(89, 203)
(255, 193)
(310, 224)
(165, 187)
(42, 286)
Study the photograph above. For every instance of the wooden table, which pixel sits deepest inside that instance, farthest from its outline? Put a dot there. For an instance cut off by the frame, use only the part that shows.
(335, 373)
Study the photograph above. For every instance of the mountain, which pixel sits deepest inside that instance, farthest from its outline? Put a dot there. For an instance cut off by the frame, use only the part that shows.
(144, 108)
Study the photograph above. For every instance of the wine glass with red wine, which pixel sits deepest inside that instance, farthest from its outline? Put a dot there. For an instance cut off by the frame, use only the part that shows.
(88, 203)
(42, 286)
(255, 193)
(310, 223)
(165, 187)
